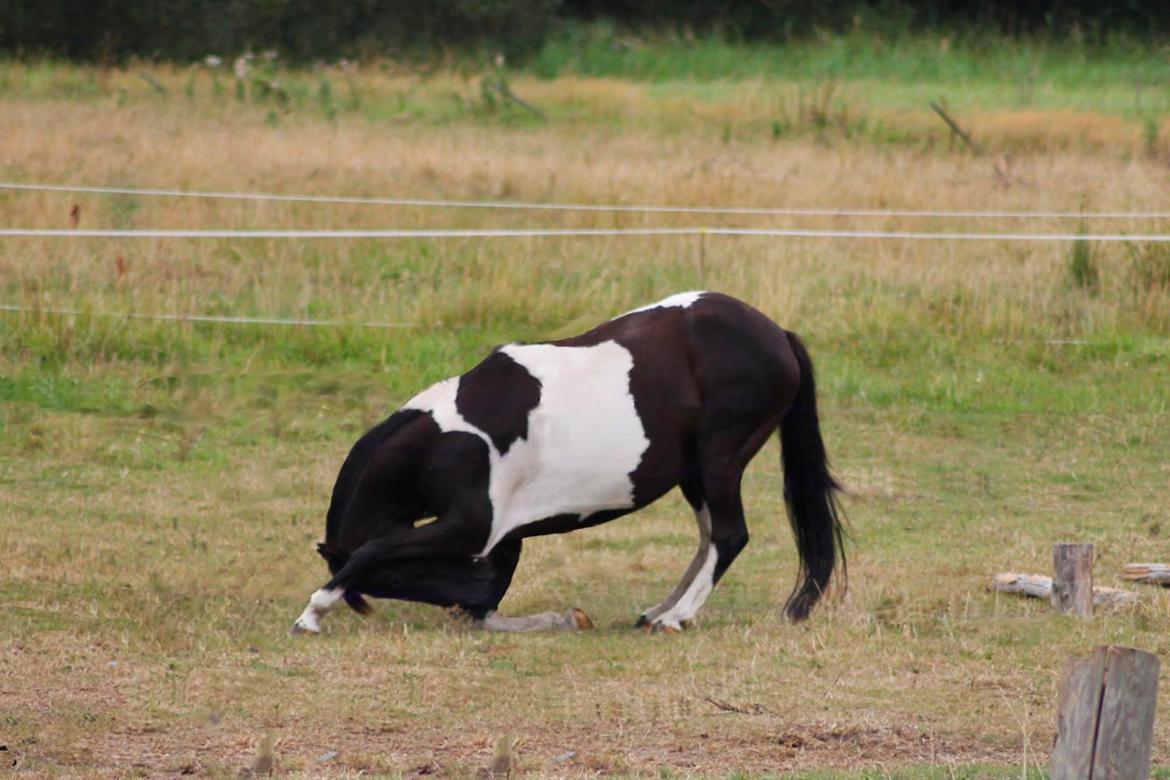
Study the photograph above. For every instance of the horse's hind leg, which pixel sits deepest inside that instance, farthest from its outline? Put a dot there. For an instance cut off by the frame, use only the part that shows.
(692, 489)
(723, 455)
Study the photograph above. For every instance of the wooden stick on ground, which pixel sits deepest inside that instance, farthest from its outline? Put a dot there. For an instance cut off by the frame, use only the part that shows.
(1153, 573)
(1035, 585)
(1040, 586)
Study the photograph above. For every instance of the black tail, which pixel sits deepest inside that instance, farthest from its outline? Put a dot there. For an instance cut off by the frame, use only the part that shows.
(336, 560)
(810, 492)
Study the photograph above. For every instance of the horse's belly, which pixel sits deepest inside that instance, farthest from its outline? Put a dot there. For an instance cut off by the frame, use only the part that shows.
(584, 439)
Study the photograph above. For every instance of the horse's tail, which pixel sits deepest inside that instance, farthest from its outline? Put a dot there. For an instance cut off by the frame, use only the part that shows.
(810, 493)
(336, 559)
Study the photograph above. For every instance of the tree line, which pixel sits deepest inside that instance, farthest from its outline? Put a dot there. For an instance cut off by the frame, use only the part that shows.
(305, 31)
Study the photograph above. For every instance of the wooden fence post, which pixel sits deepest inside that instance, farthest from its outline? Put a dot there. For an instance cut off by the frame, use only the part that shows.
(1105, 716)
(1072, 583)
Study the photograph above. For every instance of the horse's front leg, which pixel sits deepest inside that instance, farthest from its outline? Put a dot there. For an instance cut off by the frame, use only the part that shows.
(456, 534)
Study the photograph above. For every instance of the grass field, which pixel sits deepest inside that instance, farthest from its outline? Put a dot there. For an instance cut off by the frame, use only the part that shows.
(164, 483)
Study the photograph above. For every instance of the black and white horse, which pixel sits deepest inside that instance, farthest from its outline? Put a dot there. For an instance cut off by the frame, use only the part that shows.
(434, 503)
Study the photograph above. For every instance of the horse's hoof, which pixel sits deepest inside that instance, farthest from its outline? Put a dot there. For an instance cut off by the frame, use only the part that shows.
(579, 619)
(303, 629)
(663, 627)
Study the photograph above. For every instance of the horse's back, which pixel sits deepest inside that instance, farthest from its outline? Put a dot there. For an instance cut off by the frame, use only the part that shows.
(698, 349)
(743, 359)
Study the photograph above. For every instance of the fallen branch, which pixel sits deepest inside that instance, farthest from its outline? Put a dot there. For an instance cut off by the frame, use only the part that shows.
(153, 82)
(499, 86)
(1040, 586)
(951, 123)
(1152, 573)
(506, 91)
(747, 709)
(1034, 585)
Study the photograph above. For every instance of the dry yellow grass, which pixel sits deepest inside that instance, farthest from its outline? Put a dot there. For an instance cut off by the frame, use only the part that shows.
(1008, 288)
(158, 534)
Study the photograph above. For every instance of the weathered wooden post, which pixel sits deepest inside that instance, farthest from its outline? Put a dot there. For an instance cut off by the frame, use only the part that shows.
(1072, 583)
(1105, 716)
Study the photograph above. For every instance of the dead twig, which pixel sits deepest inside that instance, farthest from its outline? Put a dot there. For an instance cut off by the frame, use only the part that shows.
(747, 709)
(155, 83)
(501, 87)
(951, 123)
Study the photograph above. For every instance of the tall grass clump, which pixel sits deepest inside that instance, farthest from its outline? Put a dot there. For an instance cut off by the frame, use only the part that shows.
(1149, 268)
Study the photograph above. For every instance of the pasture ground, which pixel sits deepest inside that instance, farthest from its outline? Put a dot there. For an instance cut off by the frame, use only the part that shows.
(163, 484)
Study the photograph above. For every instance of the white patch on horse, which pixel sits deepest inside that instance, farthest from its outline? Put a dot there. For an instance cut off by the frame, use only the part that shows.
(699, 588)
(439, 400)
(584, 437)
(703, 518)
(319, 603)
(681, 300)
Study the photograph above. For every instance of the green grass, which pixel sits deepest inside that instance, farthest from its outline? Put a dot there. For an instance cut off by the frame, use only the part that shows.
(1120, 76)
(167, 514)
(163, 483)
(903, 58)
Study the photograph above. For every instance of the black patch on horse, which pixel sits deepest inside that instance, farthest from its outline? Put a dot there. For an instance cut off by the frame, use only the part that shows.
(496, 397)
(669, 424)
(356, 467)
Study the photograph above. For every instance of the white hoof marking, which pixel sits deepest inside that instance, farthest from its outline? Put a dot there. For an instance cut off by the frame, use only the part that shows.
(300, 627)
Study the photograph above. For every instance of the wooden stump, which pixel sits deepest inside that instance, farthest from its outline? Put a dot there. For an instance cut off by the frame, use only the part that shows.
(1072, 585)
(1105, 716)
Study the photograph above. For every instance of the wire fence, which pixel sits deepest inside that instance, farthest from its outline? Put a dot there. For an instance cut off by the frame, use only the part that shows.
(206, 318)
(334, 323)
(593, 207)
(489, 233)
(440, 233)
